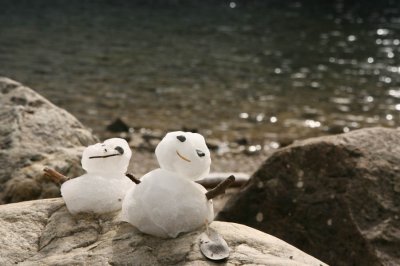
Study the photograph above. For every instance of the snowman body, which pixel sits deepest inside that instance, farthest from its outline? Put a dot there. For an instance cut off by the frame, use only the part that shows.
(165, 204)
(168, 201)
(96, 193)
(104, 186)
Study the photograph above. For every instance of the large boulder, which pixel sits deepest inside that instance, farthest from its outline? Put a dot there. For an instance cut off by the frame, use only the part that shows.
(43, 232)
(335, 197)
(35, 133)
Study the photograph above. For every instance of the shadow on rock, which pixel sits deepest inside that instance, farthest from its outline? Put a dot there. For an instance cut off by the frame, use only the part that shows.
(335, 197)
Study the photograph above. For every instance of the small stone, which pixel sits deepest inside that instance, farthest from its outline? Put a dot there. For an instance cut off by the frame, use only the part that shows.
(329, 222)
(260, 217)
(118, 125)
(300, 184)
(213, 144)
(242, 141)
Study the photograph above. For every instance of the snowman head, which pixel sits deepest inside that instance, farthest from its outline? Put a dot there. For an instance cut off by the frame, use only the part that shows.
(111, 156)
(185, 153)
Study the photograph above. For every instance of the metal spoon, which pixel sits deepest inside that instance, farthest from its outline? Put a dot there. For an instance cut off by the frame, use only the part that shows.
(213, 246)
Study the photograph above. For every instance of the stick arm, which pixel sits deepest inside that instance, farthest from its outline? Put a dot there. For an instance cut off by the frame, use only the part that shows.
(220, 188)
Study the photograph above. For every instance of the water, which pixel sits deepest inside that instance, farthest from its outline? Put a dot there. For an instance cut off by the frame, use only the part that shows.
(266, 71)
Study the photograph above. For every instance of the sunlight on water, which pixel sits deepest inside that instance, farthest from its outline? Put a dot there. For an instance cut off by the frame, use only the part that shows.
(268, 71)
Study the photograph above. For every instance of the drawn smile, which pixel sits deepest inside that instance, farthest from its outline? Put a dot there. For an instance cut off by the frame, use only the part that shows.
(105, 156)
(182, 157)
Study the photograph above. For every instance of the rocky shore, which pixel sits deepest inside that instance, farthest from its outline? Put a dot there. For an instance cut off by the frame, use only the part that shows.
(335, 197)
(238, 156)
(34, 133)
(43, 232)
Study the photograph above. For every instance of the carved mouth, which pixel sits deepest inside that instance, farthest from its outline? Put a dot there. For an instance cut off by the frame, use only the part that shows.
(105, 156)
(182, 157)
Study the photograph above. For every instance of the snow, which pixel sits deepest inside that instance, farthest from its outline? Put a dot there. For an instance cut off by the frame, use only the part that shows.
(165, 204)
(168, 201)
(184, 153)
(104, 186)
(116, 163)
(95, 193)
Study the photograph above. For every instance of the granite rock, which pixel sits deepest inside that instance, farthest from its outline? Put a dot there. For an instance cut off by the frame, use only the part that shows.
(35, 133)
(335, 197)
(43, 232)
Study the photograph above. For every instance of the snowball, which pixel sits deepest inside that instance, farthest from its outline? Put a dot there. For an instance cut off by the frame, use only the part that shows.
(111, 156)
(103, 188)
(185, 153)
(165, 204)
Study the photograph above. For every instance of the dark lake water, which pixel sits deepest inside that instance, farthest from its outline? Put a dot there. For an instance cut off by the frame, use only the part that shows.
(269, 71)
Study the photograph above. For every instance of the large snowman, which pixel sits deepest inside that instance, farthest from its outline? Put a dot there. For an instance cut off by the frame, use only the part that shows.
(168, 201)
(104, 186)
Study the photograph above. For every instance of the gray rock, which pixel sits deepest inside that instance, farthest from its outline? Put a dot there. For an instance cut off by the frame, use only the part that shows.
(335, 197)
(43, 232)
(35, 133)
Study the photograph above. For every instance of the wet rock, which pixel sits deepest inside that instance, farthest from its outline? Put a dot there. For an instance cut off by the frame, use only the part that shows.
(118, 125)
(242, 141)
(151, 134)
(43, 232)
(136, 141)
(188, 129)
(145, 139)
(213, 144)
(335, 197)
(35, 133)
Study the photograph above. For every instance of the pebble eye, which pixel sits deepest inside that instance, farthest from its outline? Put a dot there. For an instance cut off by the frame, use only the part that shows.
(200, 153)
(119, 150)
(181, 138)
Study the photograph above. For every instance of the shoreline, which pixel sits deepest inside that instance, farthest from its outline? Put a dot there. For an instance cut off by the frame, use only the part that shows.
(143, 162)
(241, 156)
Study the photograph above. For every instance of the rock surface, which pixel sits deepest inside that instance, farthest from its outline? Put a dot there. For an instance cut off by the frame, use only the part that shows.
(35, 133)
(335, 197)
(43, 232)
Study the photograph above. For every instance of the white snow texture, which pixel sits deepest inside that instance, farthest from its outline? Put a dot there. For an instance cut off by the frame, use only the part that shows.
(167, 201)
(104, 186)
(115, 163)
(184, 153)
(165, 204)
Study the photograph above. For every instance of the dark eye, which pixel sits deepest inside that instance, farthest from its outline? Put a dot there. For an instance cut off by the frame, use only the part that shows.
(200, 153)
(119, 150)
(181, 138)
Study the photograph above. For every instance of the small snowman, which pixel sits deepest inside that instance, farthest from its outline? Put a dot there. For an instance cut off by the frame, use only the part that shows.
(168, 201)
(104, 186)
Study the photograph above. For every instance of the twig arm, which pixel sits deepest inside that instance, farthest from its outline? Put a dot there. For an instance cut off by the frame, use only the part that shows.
(220, 188)
(133, 178)
(213, 181)
(55, 176)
